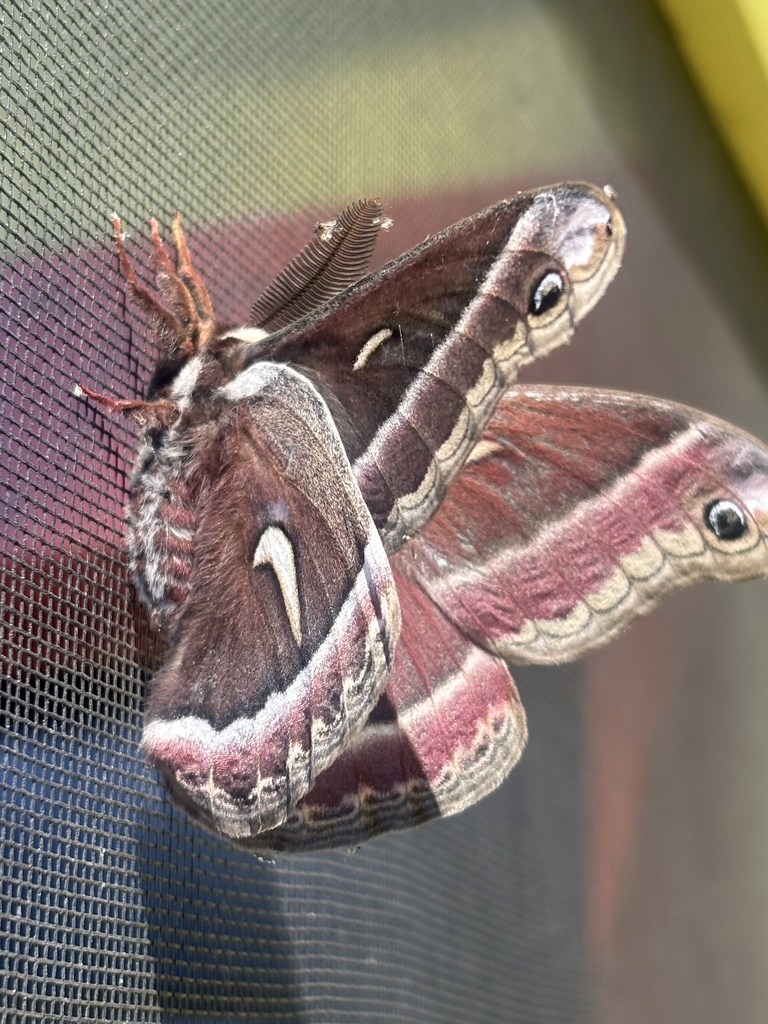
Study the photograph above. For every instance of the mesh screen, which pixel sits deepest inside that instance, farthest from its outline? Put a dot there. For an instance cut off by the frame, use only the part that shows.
(561, 895)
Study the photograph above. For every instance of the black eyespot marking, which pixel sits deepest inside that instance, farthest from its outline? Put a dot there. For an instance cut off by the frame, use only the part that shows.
(546, 294)
(725, 519)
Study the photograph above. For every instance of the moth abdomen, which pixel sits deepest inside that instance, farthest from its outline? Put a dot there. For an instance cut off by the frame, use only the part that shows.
(162, 525)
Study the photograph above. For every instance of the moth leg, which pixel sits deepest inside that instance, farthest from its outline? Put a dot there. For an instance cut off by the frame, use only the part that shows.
(170, 333)
(194, 283)
(160, 411)
(174, 291)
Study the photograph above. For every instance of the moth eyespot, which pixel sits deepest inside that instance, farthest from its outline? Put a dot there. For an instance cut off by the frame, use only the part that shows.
(725, 519)
(546, 294)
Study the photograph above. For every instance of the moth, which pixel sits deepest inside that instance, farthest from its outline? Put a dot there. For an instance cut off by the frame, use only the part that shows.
(348, 519)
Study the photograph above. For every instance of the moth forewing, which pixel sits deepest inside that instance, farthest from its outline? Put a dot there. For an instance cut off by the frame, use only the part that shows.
(419, 353)
(250, 708)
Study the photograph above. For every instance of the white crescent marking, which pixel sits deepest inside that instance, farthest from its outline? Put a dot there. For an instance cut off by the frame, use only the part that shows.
(370, 347)
(275, 549)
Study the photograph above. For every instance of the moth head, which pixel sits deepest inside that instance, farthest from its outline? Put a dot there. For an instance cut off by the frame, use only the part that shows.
(162, 380)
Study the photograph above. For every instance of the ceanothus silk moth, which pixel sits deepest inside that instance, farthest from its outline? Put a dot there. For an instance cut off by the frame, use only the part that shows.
(348, 519)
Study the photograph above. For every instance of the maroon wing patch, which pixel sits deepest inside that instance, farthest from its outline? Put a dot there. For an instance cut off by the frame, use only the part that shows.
(448, 729)
(580, 509)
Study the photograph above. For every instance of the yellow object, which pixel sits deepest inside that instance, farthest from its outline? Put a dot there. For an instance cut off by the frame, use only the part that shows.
(725, 45)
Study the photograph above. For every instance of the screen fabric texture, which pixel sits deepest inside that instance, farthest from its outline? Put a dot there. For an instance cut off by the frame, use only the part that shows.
(620, 873)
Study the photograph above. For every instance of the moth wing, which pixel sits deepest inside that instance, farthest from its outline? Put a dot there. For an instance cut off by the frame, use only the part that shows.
(285, 639)
(579, 510)
(413, 359)
(448, 729)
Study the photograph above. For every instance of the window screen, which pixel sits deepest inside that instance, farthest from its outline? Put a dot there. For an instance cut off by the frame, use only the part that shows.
(619, 874)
